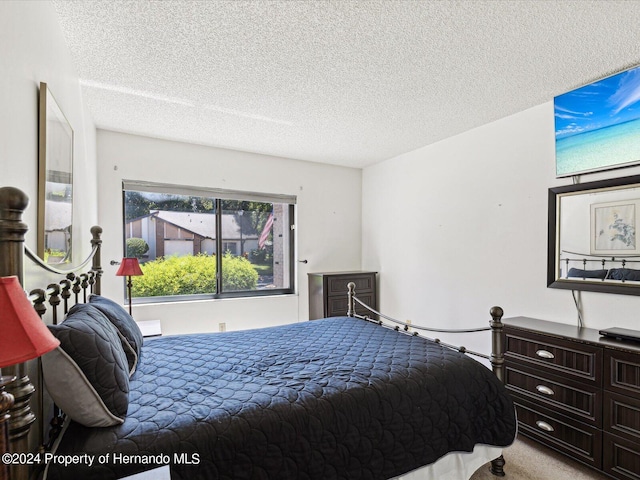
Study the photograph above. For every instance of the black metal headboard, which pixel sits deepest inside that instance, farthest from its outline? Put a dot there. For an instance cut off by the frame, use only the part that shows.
(73, 287)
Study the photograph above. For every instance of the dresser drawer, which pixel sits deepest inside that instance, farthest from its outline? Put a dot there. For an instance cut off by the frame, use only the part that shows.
(622, 372)
(576, 392)
(338, 285)
(581, 441)
(557, 356)
(622, 416)
(622, 459)
(570, 397)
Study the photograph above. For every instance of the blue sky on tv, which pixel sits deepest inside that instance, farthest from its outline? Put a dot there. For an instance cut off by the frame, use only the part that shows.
(607, 102)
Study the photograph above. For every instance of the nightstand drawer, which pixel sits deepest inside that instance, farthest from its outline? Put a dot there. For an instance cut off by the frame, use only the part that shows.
(579, 440)
(622, 416)
(338, 285)
(338, 306)
(580, 399)
(622, 459)
(557, 356)
(622, 372)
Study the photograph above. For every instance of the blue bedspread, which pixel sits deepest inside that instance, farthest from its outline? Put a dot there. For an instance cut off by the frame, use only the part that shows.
(326, 399)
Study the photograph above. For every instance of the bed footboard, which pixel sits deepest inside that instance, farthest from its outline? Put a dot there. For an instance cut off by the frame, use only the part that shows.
(496, 358)
(495, 326)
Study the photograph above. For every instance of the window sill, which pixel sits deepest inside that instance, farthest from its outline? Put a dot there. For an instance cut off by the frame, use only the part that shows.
(206, 298)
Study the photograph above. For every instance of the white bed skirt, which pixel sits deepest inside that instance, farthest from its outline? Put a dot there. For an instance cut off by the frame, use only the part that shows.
(455, 465)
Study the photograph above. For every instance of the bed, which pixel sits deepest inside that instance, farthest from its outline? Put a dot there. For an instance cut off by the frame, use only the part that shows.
(341, 397)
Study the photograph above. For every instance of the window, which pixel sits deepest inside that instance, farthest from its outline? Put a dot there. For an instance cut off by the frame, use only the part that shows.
(207, 243)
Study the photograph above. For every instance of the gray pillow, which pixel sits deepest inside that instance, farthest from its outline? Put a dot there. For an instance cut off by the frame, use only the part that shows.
(121, 319)
(87, 376)
(132, 356)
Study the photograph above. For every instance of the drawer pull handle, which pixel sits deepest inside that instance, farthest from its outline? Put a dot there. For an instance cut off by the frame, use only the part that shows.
(545, 354)
(544, 426)
(545, 390)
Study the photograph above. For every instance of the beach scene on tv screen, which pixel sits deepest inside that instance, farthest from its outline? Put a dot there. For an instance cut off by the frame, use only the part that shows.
(598, 125)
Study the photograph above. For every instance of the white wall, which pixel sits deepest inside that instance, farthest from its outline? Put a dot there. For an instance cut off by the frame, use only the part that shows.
(459, 226)
(33, 50)
(328, 220)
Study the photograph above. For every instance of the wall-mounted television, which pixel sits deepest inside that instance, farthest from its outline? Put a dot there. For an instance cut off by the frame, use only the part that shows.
(598, 125)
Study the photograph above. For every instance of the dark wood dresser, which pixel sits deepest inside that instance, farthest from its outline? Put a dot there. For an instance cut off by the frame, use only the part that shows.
(328, 293)
(576, 392)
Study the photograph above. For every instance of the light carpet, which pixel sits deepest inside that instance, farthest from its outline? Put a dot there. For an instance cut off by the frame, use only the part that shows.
(527, 460)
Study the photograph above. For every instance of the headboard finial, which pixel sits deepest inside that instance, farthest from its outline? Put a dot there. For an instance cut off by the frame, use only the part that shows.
(96, 232)
(13, 203)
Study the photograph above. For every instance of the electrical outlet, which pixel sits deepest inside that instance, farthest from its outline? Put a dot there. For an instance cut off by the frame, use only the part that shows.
(222, 326)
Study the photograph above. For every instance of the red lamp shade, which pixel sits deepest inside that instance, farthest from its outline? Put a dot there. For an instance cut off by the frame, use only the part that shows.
(129, 267)
(24, 335)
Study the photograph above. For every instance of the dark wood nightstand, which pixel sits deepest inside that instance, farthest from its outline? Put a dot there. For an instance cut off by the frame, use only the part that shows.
(328, 293)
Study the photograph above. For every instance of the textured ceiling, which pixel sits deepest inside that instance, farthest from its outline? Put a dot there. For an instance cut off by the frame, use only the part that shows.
(343, 82)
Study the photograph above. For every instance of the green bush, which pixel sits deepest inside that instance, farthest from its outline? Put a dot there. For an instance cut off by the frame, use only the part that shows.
(189, 275)
(136, 247)
(238, 274)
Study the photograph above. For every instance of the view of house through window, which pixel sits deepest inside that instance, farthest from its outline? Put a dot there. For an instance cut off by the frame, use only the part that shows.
(195, 242)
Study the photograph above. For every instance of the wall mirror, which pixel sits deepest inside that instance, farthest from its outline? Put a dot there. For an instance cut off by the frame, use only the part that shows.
(593, 244)
(55, 181)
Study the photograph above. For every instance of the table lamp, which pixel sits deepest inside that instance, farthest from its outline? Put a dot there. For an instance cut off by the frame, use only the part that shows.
(129, 267)
(24, 337)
